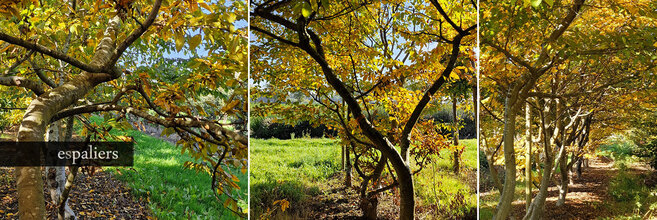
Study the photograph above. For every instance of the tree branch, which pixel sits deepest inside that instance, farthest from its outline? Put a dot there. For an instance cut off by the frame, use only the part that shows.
(135, 34)
(177, 122)
(22, 82)
(55, 54)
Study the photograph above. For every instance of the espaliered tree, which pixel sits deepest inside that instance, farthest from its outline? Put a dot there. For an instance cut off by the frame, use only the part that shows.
(374, 67)
(562, 62)
(76, 58)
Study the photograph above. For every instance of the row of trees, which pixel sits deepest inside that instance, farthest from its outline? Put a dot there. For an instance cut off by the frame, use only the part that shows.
(370, 70)
(76, 58)
(574, 71)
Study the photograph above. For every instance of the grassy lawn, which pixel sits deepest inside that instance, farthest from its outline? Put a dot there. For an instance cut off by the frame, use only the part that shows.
(172, 191)
(288, 169)
(291, 169)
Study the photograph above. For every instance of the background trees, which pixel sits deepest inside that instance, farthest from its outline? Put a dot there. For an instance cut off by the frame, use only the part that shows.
(564, 63)
(365, 66)
(78, 57)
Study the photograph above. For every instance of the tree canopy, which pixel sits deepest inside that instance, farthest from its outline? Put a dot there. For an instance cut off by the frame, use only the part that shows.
(367, 69)
(178, 64)
(567, 63)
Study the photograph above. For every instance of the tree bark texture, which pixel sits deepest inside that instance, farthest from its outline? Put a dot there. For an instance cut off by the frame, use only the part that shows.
(528, 157)
(38, 115)
(508, 191)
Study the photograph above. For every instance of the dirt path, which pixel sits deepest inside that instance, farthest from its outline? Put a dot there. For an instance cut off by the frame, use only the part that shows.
(586, 196)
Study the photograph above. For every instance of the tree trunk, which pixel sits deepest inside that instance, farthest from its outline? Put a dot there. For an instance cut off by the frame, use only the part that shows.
(455, 134)
(563, 183)
(504, 205)
(38, 114)
(56, 176)
(369, 207)
(493, 172)
(476, 108)
(369, 201)
(528, 158)
(579, 167)
(347, 176)
(535, 210)
(573, 161)
(343, 164)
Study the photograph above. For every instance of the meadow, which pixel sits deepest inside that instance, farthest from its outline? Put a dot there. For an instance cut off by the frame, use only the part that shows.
(299, 169)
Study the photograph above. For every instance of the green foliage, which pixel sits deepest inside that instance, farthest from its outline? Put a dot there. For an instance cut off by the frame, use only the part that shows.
(649, 151)
(467, 126)
(645, 137)
(630, 192)
(265, 128)
(618, 147)
(626, 187)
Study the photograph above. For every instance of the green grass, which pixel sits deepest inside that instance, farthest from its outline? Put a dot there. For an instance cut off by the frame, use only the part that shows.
(437, 184)
(288, 169)
(291, 169)
(172, 191)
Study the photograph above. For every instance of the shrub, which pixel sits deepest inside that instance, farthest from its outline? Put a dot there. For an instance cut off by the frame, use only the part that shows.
(618, 148)
(649, 151)
(625, 187)
(264, 194)
(265, 128)
(469, 129)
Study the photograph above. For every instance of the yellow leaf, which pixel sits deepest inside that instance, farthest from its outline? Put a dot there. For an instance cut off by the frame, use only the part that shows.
(180, 40)
(453, 75)
(194, 42)
(206, 6)
(284, 205)
(230, 105)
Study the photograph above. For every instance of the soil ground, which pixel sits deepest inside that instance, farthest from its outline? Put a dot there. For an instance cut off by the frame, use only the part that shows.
(586, 197)
(338, 202)
(96, 195)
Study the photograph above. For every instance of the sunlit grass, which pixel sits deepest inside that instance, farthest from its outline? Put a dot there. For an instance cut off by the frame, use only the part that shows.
(172, 192)
(292, 169)
(437, 184)
(289, 169)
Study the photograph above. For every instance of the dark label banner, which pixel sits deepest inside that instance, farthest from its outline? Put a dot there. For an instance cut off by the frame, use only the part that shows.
(14, 154)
